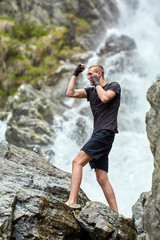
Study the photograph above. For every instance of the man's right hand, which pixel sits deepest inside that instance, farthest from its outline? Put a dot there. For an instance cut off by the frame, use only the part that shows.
(80, 68)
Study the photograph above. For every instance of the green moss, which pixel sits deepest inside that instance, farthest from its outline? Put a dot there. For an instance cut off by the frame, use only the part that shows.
(3, 93)
(6, 18)
(12, 50)
(82, 26)
(29, 51)
(27, 30)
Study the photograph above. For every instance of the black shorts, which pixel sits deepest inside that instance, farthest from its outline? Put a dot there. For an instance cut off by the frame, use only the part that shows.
(99, 147)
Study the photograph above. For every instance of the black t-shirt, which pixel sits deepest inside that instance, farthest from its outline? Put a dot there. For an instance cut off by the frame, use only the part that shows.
(105, 114)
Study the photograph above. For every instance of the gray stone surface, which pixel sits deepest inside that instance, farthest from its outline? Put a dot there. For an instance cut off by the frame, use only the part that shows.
(103, 223)
(152, 210)
(30, 125)
(32, 203)
(32, 197)
(138, 215)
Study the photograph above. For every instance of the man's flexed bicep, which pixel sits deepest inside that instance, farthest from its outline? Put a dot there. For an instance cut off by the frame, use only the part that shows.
(71, 91)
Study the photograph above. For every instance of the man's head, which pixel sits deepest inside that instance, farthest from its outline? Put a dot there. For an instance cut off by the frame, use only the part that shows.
(95, 69)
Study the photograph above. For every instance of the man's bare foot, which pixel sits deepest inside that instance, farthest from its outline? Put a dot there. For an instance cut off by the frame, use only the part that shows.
(74, 205)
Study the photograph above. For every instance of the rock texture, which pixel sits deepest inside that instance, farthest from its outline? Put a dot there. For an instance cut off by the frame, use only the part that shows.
(32, 206)
(32, 196)
(138, 215)
(97, 219)
(152, 211)
(98, 14)
(30, 125)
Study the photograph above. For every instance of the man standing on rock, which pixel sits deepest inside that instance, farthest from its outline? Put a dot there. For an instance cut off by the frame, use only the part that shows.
(104, 101)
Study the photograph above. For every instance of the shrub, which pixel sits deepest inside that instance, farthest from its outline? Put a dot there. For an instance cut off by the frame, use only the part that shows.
(12, 51)
(27, 30)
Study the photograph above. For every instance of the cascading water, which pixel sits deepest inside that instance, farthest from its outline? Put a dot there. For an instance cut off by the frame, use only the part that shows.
(131, 164)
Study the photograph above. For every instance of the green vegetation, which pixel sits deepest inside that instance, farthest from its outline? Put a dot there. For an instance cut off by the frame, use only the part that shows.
(81, 25)
(27, 30)
(28, 52)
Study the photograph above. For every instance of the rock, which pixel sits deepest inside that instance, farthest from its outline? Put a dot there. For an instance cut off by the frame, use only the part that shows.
(103, 223)
(152, 209)
(31, 123)
(115, 44)
(153, 116)
(80, 133)
(121, 55)
(76, 15)
(4, 115)
(138, 215)
(32, 194)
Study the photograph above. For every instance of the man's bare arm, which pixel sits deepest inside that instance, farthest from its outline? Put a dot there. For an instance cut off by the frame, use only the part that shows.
(105, 96)
(71, 91)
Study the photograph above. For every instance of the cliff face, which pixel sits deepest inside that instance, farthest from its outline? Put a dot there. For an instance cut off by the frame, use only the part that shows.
(95, 13)
(152, 209)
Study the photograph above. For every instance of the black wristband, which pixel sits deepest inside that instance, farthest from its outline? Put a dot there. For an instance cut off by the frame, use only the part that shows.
(96, 84)
(77, 71)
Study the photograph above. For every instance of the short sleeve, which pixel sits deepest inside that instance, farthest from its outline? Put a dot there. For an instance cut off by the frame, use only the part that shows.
(88, 91)
(115, 87)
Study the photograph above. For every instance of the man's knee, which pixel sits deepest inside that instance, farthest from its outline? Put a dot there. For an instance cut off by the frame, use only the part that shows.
(102, 178)
(81, 159)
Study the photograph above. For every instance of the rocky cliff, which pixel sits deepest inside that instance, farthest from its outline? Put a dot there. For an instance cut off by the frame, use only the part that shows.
(152, 210)
(98, 14)
(32, 204)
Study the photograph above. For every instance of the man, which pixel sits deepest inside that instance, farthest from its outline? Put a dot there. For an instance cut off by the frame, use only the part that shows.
(104, 101)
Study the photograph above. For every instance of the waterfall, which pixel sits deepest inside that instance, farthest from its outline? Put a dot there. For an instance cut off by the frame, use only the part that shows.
(131, 162)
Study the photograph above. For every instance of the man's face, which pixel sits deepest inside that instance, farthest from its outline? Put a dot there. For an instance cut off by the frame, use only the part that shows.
(91, 71)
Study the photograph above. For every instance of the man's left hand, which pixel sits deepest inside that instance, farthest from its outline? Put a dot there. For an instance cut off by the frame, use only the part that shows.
(95, 80)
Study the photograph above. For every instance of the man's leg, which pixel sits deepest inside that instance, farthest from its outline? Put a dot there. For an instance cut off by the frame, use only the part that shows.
(102, 178)
(78, 163)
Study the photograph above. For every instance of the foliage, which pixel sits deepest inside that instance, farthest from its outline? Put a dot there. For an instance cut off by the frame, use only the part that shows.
(28, 52)
(27, 30)
(80, 24)
(12, 51)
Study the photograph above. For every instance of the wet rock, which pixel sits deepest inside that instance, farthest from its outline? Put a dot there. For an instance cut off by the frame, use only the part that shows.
(115, 44)
(121, 55)
(3, 115)
(32, 194)
(80, 133)
(103, 223)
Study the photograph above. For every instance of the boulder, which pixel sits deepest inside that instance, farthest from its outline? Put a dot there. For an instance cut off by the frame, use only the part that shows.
(116, 44)
(121, 55)
(33, 194)
(103, 223)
